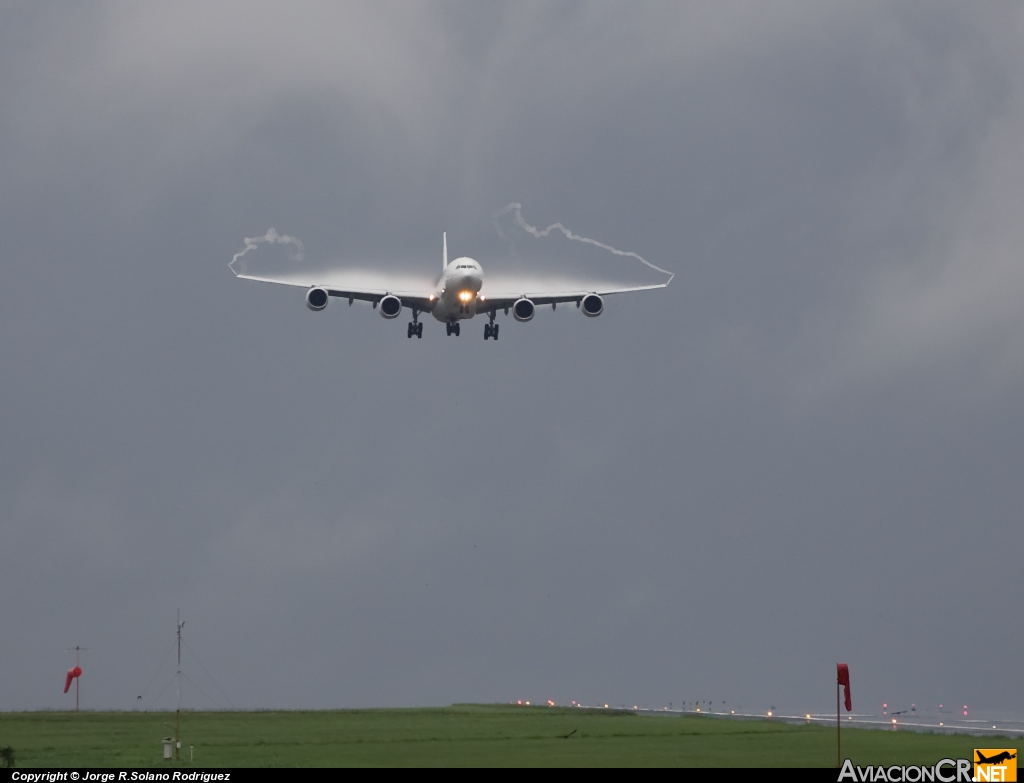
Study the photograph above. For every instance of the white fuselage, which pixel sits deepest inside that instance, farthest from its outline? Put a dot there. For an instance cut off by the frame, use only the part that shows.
(458, 290)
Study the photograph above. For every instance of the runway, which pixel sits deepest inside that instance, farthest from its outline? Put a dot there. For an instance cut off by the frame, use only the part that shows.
(978, 724)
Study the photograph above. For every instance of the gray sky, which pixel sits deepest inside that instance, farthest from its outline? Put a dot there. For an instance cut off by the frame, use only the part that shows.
(808, 449)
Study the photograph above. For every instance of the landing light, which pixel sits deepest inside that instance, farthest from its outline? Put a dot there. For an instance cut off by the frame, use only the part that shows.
(465, 296)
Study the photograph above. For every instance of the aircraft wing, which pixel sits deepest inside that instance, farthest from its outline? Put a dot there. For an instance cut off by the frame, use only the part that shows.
(505, 295)
(365, 286)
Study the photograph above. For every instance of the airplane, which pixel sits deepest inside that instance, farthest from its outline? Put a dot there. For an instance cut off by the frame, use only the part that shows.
(459, 294)
(1004, 756)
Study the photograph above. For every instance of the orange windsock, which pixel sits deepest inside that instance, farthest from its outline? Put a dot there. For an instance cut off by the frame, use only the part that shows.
(72, 673)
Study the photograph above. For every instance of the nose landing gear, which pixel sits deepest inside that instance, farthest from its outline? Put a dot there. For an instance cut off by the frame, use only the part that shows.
(452, 328)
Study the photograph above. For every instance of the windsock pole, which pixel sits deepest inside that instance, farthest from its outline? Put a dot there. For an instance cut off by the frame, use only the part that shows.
(842, 678)
(77, 648)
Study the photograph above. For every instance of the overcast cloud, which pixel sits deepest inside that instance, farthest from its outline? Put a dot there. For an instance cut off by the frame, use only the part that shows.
(807, 449)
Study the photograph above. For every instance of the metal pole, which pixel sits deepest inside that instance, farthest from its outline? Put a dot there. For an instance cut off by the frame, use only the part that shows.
(839, 741)
(177, 711)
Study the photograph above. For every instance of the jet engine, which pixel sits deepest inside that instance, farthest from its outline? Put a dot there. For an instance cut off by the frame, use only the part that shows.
(523, 310)
(390, 306)
(592, 305)
(316, 299)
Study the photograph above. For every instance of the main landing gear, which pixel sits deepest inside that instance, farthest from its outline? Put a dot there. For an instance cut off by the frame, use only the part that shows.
(415, 327)
(491, 329)
(452, 328)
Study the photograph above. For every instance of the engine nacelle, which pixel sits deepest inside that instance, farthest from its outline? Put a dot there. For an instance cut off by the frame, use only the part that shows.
(523, 310)
(592, 305)
(317, 299)
(390, 306)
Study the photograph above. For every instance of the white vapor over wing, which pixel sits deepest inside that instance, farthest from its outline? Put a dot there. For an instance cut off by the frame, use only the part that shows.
(516, 208)
(273, 238)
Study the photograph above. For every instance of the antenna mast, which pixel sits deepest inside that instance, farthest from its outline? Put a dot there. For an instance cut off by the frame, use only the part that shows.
(77, 648)
(177, 687)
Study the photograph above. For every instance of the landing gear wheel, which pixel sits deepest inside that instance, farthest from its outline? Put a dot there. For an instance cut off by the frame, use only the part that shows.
(487, 331)
(409, 331)
(419, 331)
(457, 329)
(494, 331)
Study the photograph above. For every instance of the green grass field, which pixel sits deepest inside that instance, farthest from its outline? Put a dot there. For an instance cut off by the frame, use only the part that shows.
(462, 735)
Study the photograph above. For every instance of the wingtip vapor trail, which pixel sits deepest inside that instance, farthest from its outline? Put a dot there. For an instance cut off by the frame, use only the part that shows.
(272, 238)
(541, 233)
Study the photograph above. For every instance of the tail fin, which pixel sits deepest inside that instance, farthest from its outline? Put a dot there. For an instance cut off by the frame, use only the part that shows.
(444, 255)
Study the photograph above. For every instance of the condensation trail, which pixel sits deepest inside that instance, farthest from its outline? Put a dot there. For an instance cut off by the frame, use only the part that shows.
(539, 234)
(273, 238)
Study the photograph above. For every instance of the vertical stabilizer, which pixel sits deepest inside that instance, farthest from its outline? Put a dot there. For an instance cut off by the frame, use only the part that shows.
(444, 251)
